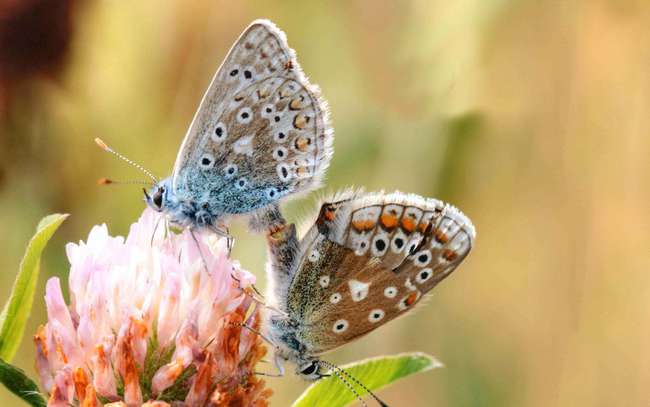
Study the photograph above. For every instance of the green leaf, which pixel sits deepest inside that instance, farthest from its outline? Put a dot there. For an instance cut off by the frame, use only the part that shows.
(374, 373)
(22, 386)
(16, 311)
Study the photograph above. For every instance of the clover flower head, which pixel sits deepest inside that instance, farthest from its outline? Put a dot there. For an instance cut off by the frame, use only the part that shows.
(154, 319)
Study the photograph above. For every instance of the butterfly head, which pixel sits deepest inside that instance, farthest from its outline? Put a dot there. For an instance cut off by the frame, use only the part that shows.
(158, 197)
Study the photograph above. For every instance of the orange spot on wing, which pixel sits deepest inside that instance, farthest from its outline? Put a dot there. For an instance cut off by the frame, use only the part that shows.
(441, 237)
(410, 300)
(408, 224)
(330, 213)
(423, 226)
(388, 221)
(449, 255)
(300, 121)
(301, 171)
(302, 143)
(296, 104)
(363, 225)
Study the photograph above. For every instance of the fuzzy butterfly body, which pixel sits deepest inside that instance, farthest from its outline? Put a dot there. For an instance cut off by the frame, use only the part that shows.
(261, 133)
(368, 259)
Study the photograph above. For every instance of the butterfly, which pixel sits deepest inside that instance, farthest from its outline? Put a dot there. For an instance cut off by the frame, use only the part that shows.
(366, 260)
(261, 133)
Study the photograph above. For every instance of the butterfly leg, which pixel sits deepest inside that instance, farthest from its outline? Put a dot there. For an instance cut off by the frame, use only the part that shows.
(155, 229)
(226, 233)
(230, 242)
(198, 246)
(278, 361)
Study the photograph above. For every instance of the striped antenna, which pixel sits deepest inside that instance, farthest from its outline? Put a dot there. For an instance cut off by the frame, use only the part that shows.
(340, 373)
(106, 148)
(108, 181)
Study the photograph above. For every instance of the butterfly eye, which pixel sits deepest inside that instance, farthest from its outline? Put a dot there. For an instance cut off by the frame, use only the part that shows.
(311, 369)
(158, 197)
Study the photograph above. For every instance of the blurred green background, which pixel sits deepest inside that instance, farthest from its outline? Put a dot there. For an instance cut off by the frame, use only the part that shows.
(532, 117)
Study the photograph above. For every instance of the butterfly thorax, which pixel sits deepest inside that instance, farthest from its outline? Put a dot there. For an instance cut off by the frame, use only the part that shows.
(180, 211)
(283, 332)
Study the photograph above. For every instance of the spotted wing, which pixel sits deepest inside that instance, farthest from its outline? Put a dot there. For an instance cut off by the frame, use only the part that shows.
(261, 132)
(369, 259)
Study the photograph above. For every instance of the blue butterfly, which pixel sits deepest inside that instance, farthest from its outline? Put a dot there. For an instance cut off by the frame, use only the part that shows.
(261, 134)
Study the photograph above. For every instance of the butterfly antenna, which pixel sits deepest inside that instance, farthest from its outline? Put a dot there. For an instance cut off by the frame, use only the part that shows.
(349, 386)
(106, 148)
(108, 181)
(336, 370)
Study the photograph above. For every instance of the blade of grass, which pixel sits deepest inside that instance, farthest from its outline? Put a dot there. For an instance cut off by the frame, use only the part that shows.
(374, 373)
(18, 307)
(22, 386)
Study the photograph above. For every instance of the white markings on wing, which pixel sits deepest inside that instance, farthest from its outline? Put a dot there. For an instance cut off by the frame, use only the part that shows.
(358, 290)
(244, 146)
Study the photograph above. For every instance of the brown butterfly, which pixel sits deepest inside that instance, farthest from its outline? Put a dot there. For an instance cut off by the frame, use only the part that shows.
(368, 259)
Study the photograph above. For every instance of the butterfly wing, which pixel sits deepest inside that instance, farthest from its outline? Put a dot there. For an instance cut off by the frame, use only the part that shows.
(369, 259)
(261, 132)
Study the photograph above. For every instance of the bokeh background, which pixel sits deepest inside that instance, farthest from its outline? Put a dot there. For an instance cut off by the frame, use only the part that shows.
(532, 117)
